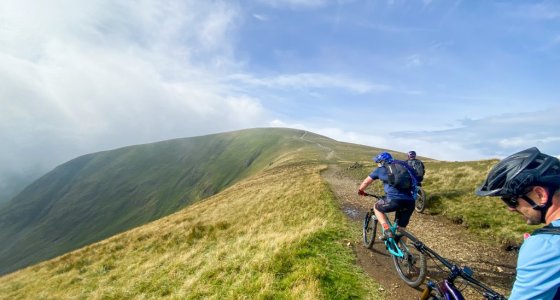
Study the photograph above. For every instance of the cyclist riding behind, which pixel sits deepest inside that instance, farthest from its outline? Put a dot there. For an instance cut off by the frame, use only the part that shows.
(529, 183)
(417, 165)
(396, 200)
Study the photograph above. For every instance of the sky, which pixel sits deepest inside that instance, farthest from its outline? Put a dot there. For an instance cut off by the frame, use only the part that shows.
(453, 80)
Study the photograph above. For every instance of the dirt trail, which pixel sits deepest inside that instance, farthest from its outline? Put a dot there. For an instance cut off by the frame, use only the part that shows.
(492, 265)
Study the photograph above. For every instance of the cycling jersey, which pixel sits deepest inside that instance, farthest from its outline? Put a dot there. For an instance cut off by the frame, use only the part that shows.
(538, 267)
(390, 191)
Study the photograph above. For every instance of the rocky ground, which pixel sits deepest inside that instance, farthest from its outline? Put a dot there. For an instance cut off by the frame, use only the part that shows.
(492, 265)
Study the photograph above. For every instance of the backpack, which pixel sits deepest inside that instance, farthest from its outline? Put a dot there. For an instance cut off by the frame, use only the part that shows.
(548, 229)
(400, 175)
(418, 167)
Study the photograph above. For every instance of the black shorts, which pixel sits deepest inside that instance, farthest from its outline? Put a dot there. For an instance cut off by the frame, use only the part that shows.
(403, 209)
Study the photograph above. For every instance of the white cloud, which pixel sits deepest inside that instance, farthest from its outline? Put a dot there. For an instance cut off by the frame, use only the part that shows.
(214, 29)
(294, 3)
(244, 110)
(260, 17)
(313, 81)
(80, 77)
(494, 136)
(280, 123)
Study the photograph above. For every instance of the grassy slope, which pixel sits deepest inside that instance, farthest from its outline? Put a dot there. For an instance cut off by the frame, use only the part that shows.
(97, 195)
(276, 235)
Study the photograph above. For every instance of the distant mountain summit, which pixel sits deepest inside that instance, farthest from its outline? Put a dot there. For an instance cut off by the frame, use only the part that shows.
(98, 195)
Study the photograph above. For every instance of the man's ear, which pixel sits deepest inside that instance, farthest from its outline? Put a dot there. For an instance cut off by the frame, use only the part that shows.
(542, 194)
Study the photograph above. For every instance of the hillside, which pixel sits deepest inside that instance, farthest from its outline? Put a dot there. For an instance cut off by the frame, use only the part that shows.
(276, 234)
(98, 195)
(277, 231)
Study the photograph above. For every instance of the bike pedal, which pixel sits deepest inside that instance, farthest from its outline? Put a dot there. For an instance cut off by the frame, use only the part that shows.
(385, 237)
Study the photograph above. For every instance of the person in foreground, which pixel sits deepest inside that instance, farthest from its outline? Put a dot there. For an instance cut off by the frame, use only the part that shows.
(396, 200)
(529, 183)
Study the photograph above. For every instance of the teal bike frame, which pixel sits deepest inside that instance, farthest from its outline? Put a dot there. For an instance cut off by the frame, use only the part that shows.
(391, 243)
(409, 263)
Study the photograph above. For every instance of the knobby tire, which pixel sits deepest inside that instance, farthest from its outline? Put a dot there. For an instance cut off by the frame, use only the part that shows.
(412, 268)
(420, 204)
(370, 230)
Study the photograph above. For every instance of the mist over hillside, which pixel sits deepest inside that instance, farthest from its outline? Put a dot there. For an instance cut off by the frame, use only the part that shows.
(13, 184)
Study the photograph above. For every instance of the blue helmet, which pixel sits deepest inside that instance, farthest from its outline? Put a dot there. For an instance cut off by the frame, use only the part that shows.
(383, 156)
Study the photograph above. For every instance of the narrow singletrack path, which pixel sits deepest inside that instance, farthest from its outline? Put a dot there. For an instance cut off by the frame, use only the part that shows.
(492, 265)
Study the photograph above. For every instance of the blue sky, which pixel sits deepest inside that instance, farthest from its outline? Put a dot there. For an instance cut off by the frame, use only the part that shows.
(453, 80)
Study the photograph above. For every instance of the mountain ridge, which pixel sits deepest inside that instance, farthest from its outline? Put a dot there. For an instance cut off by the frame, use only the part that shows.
(100, 194)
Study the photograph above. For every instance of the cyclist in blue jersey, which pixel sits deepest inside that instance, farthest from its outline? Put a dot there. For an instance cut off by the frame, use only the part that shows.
(396, 200)
(529, 184)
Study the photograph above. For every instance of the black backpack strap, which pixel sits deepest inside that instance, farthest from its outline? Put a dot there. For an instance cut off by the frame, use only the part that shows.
(548, 229)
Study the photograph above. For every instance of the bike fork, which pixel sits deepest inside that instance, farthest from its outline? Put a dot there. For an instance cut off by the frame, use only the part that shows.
(430, 286)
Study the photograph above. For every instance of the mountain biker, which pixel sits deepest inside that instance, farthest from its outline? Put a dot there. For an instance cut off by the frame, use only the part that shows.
(529, 183)
(399, 201)
(417, 165)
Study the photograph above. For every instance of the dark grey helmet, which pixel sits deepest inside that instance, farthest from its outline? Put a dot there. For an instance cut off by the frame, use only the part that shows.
(512, 175)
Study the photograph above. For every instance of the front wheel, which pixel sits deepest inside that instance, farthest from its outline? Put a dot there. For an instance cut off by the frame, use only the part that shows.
(412, 268)
(370, 229)
(420, 204)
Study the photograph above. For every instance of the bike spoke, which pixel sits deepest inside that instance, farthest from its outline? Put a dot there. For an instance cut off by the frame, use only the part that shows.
(412, 267)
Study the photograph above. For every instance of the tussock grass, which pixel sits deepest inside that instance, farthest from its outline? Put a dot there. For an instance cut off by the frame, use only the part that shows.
(98, 195)
(276, 235)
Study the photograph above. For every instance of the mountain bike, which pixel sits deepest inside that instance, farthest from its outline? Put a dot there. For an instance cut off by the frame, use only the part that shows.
(446, 288)
(409, 263)
(420, 203)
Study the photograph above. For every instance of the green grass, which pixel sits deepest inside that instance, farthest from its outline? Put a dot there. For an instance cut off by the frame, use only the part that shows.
(276, 235)
(98, 195)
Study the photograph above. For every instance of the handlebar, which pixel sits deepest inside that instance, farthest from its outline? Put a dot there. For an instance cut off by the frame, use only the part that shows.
(457, 271)
(488, 292)
(373, 195)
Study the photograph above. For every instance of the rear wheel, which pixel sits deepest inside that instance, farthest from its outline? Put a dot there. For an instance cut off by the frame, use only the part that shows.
(412, 268)
(370, 229)
(420, 204)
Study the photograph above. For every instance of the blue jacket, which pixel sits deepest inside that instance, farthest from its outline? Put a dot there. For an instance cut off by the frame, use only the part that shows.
(391, 192)
(538, 267)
